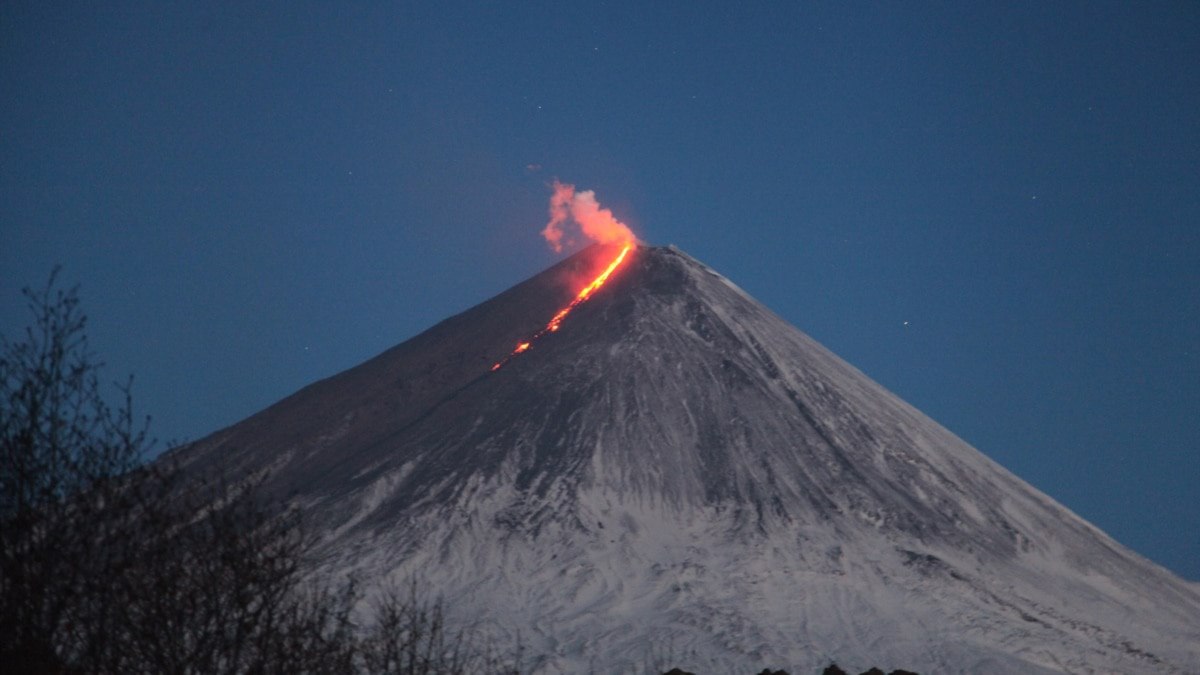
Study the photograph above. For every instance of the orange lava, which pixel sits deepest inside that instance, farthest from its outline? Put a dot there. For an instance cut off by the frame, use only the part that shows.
(575, 302)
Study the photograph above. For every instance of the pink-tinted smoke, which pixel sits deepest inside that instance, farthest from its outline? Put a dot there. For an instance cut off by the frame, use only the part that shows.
(596, 223)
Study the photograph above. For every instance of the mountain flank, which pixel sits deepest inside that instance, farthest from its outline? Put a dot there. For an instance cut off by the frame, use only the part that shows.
(677, 475)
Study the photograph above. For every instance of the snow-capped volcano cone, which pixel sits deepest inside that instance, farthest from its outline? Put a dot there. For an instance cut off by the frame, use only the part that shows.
(677, 474)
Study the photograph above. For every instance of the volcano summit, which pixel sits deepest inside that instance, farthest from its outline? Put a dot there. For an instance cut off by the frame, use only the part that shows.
(677, 475)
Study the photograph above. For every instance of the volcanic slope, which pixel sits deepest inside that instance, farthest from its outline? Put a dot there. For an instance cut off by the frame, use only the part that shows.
(678, 477)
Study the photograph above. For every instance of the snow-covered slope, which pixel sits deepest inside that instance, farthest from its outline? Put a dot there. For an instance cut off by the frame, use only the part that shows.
(678, 476)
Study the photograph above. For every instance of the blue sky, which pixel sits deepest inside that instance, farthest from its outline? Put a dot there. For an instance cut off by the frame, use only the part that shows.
(991, 209)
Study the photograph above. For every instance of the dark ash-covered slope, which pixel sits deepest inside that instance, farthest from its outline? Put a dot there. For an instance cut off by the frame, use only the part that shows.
(677, 464)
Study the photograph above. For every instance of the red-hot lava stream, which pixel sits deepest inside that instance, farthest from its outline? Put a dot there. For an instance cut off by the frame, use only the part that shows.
(575, 302)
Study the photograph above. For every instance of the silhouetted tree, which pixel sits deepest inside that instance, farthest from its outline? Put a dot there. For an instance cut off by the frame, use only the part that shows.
(224, 592)
(110, 565)
(410, 637)
(64, 454)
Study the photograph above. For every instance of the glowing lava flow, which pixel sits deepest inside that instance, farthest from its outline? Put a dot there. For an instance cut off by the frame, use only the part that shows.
(575, 302)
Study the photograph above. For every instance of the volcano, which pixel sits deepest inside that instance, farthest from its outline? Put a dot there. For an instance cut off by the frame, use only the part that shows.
(676, 476)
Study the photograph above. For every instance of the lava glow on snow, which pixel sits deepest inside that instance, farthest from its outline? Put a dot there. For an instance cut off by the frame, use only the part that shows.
(575, 302)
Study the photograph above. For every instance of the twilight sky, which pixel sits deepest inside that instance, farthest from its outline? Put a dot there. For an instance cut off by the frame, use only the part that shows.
(992, 210)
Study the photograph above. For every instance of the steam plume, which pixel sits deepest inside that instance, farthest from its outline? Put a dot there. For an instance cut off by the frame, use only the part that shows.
(596, 223)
